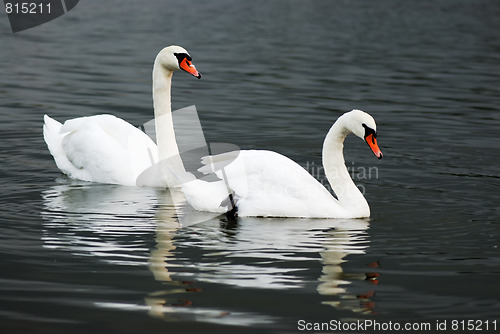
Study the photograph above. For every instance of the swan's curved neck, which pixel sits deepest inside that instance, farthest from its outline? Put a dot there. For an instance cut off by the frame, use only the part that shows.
(349, 196)
(168, 151)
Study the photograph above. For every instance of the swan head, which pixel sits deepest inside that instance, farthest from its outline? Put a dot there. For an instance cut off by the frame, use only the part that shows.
(174, 58)
(363, 125)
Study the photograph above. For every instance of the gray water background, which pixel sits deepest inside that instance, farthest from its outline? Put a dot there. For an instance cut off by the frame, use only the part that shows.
(93, 258)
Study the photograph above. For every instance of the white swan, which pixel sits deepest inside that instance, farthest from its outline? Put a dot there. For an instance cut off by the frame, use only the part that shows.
(106, 149)
(268, 184)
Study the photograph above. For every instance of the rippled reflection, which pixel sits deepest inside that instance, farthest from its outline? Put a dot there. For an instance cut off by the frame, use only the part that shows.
(348, 238)
(114, 224)
(266, 253)
(279, 253)
(111, 222)
(93, 219)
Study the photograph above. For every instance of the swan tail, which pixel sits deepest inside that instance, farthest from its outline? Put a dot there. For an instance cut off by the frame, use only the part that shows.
(53, 138)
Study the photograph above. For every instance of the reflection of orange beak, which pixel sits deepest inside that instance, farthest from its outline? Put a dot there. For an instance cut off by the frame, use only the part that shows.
(188, 66)
(372, 142)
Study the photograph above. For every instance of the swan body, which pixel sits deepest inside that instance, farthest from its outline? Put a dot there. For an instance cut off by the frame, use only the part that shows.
(268, 184)
(101, 148)
(107, 149)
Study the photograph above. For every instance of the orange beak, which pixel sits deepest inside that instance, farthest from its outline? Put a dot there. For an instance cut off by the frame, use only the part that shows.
(188, 66)
(372, 142)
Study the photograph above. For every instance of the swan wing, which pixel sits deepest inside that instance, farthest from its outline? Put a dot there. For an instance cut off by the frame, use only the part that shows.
(264, 183)
(278, 186)
(100, 148)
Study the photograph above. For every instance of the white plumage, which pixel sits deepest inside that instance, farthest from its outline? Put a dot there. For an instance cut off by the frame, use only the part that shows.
(101, 148)
(106, 149)
(268, 184)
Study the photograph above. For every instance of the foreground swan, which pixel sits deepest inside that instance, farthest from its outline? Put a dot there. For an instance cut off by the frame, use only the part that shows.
(268, 184)
(106, 149)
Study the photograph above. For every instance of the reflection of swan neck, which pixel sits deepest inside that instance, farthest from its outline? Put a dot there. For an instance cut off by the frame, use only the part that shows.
(336, 172)
(164, 126)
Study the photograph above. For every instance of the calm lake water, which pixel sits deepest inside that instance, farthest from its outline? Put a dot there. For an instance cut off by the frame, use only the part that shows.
(77, 257)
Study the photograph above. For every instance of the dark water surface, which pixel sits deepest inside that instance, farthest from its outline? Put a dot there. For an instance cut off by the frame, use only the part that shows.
(91, 258)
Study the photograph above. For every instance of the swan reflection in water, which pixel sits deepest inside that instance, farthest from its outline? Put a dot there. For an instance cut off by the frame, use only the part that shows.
(111, 222)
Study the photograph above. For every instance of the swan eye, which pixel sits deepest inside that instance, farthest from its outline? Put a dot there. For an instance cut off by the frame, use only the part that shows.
(181, 56)
(369, 131)
(185, 64)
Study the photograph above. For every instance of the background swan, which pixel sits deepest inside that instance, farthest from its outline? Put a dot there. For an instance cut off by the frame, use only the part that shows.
(268, 184)
(106, 149)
